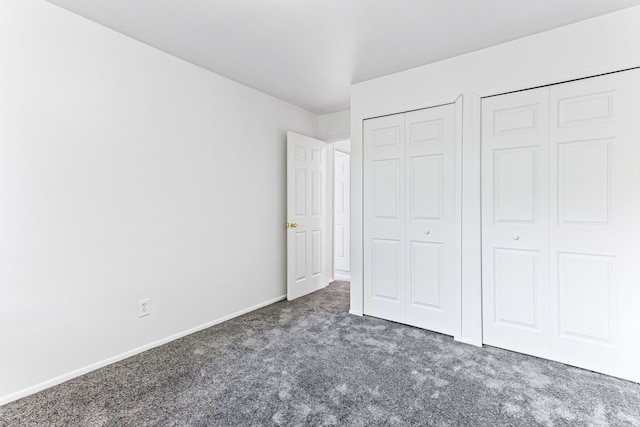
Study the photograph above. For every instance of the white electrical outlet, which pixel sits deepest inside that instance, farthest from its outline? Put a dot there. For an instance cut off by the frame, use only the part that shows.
(144, 307)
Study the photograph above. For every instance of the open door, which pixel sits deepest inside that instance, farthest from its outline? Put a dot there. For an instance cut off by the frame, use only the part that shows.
(341, 231)
(306, 222)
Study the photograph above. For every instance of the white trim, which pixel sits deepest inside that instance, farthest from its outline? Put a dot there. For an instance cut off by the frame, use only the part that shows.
(559, 78)
(341, 137)
(344, 276)
(78, 372)
(471, 303)
(356, 313)
(405, 108)
(469, 341)
(329, 255)
(457, 190)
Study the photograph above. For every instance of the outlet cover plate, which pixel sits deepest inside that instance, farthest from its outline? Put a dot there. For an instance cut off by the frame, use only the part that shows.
(144, 307)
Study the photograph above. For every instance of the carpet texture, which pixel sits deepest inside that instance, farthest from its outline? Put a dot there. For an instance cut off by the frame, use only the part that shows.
(308, 362)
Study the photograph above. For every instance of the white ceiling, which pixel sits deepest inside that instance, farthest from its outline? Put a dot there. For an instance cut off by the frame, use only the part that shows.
(308, 52)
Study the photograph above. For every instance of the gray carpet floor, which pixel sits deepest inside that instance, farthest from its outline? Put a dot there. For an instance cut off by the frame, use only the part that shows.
(308, 362)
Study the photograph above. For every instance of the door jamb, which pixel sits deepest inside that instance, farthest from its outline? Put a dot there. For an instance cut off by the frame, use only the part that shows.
(333, 219)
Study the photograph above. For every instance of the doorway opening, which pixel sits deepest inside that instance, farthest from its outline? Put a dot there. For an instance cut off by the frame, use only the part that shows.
(341, 211)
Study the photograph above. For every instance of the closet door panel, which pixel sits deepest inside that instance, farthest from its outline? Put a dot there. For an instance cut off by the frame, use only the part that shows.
(515, 221)
(386, 263)
(384, 217)
(425, 275)
(430, 224)
(594, 229)
(516, 288)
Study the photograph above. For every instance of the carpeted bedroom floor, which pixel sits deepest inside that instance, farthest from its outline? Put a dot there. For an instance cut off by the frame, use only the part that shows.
(308, 362)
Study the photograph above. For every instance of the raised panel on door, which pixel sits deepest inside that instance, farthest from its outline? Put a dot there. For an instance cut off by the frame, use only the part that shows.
(384, 195)
(587, 298)
(585, 182)
(316, 193)
(300, 256)
(432, 261)
(425, 276)
(515, 284)
(515, 189)
(300, 202)
(426, 192)
(595, 223)
(386, 191)
(385, 277)
(316, 253)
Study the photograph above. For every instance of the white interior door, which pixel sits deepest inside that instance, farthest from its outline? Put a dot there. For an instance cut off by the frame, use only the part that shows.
(595, 223)
(342, 263)
(561, 223)
(430, 227)
(515, 268)
(306, 216)
(384, 218)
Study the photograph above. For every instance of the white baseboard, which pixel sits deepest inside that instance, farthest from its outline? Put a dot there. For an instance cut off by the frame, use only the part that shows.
(342, 275)
(356, 313)
(468, 341)
(78, 372)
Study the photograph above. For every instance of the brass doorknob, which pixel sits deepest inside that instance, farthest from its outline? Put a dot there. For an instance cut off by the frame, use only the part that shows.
(291, 225)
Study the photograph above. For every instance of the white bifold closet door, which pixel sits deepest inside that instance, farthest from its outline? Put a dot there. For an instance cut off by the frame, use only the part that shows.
(561, 222)
(515, 221)
(411, 266)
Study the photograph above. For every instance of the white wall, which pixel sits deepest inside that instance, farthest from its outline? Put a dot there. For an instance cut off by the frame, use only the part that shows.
(126, 173)
(335, 126)
(603, 44)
